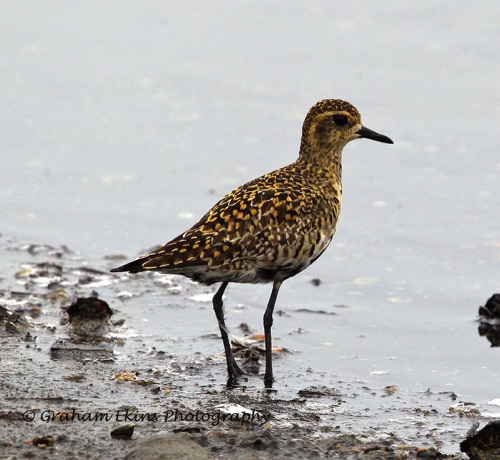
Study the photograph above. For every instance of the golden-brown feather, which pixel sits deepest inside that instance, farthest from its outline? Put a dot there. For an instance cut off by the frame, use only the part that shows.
(276, 225)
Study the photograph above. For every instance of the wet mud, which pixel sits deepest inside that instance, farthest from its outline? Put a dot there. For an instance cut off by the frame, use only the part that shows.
(81, 377)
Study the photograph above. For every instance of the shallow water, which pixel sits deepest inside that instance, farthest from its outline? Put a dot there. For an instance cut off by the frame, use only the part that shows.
(121, 124)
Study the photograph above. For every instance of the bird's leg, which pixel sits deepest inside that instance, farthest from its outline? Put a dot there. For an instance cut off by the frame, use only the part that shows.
(268, 323)
(233, 369)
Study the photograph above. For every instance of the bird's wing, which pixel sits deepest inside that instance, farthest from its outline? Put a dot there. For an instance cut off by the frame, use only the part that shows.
(247, 224)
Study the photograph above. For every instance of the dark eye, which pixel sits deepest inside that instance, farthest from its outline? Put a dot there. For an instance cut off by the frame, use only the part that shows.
(340, 120)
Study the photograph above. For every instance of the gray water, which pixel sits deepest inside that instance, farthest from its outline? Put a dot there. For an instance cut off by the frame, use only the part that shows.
(123, 122)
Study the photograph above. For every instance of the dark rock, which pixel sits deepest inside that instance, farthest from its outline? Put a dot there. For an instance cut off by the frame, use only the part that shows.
(430, 454)
(123, 432)
(491, 308)
(485, 444)
(88, 308)
(489, 320)
(89, 316)
(43, 441)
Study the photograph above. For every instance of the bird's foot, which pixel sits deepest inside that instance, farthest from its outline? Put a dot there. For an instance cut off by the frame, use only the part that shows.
(233, 369)
(234, 372)
(268, 381)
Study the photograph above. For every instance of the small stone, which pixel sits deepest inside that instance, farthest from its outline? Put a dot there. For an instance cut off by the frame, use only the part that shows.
(124, 431)
(167, 447)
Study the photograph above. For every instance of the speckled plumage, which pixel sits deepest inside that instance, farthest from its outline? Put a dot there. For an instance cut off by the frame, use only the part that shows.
(272, 227)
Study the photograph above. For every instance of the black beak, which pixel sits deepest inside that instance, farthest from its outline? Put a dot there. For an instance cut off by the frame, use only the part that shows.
(369, 134)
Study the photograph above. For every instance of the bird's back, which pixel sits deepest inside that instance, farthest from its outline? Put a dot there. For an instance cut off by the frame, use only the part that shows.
(274, 226)
(269, 228)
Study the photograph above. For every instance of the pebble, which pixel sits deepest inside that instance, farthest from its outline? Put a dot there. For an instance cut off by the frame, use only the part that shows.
(167, 447)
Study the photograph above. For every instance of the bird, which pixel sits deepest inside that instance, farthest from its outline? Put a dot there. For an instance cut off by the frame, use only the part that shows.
(272, 227)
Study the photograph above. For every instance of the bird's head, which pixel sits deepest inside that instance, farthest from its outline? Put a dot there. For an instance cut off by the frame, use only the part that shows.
(330, 124)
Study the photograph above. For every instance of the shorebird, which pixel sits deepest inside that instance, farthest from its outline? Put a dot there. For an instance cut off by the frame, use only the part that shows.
(270, 228)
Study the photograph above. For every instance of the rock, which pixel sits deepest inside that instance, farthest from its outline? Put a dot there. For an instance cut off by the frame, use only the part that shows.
(88, 308)
(318, 391)
(489, 320)
(123, 432)
(89, 317)
(167, 447)
(12, 323)
(485, 444)
(491, 308)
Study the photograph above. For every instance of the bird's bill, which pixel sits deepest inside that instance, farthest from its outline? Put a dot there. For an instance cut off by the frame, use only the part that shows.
(369, 134)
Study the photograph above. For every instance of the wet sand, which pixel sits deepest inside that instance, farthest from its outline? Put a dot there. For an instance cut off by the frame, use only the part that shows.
(65, 393)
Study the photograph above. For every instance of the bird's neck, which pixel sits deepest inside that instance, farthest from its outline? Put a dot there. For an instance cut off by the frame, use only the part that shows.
(325, 164)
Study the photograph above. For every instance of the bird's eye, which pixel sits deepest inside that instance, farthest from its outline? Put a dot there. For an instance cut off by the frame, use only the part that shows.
(340, 120)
